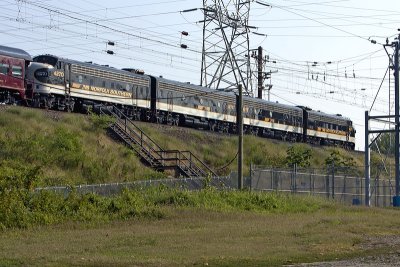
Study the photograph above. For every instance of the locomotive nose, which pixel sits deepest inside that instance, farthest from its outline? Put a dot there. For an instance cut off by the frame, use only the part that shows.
(41, 74)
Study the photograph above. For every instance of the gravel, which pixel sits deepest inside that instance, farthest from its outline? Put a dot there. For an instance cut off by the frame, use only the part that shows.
(391, 258)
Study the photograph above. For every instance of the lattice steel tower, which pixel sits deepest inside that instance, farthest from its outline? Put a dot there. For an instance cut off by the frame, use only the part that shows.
(225, 57)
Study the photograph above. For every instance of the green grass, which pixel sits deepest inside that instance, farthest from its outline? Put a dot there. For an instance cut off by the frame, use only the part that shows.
(68, 148)
(160, 226)
(74, 148)
(206, 228)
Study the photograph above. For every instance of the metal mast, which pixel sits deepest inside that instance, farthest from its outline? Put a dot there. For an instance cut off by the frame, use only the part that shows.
(225, 55)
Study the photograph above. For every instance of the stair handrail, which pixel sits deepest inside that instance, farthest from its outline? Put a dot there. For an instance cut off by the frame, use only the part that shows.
(193, 156)
(193, 162)
(150, 151)
(124, 121)
(180, 155)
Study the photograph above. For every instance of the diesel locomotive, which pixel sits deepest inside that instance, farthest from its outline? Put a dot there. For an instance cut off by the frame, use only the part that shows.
(64, 84)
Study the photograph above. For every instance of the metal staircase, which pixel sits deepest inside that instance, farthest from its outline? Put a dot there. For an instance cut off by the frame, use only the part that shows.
(183, 162)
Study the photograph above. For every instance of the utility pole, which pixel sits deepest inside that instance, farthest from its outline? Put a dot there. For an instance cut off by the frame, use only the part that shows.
(239, 118)
(260, 77)
(396, 198)
(394, 61)
(367, 161)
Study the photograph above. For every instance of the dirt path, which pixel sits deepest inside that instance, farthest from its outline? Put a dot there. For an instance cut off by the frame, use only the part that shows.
(392, 258)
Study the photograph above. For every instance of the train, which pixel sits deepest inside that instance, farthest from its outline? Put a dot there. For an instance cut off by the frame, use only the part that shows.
(14, 63)
(59, 83)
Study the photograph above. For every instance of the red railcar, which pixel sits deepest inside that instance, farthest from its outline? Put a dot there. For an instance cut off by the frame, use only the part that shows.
(13, 64)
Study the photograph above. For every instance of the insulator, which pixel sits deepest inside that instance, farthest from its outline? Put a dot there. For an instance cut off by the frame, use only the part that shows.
(184, 33)
(111, 43)
(184, 46)
(110, 52)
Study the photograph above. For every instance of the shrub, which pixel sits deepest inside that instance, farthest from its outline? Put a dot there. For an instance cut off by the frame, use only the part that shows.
(101, 121)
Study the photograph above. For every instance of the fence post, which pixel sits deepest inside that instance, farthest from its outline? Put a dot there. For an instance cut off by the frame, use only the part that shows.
(333, 180)
(384, 193)
(272, 180)
(344, 192)
(293, 182)
(251, 176)
(327, 187)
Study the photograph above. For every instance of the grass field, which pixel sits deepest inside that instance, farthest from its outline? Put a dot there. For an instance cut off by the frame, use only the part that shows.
(205, 229)
(161, 227)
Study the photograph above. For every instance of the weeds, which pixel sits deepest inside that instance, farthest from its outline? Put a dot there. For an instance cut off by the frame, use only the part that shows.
(22, 207)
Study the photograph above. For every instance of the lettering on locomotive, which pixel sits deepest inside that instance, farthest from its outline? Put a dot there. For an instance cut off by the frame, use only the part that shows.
(101, 90)
(58, 73)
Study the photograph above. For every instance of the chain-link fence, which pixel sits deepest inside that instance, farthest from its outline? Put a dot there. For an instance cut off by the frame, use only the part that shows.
(343, 185)
(227, 182)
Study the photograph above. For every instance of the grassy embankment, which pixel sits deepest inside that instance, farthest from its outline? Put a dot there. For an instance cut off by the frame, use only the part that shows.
(74, 149)
(157, 226)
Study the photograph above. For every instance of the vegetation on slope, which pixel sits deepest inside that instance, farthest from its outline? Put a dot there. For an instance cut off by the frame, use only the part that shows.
(66, 148)
(219, 150)
(23, 206)
(72, 149)
(170, 227)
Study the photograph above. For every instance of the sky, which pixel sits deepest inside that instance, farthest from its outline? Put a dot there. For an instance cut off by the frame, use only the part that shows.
(320, 52)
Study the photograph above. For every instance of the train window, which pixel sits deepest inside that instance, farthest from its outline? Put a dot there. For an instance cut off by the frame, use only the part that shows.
(112, 85)
(17, 71)
(103, 84)
(127, 87)
(201, 101)
(4, 68)
(91, 82)
(183, 98)
(141, 90)
(80, 79)
(59, 65)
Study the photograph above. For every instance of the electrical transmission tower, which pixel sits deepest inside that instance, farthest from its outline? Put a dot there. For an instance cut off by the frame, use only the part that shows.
(225, 56)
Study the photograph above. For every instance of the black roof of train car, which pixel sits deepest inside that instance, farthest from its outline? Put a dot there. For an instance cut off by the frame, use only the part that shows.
(96, 66)
(15, 53)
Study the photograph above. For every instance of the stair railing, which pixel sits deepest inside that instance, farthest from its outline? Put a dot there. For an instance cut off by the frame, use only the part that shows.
(186, 161)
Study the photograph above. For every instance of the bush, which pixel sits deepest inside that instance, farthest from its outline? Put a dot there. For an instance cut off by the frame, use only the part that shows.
(23, 206)
(101, 121)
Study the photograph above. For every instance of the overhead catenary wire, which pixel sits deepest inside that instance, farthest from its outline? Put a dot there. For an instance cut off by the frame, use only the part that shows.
(121, 52)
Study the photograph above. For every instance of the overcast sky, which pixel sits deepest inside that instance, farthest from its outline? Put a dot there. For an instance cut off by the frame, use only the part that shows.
(147, 35)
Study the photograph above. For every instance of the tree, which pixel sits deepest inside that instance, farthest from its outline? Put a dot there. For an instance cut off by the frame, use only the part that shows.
(298, 155)
(337, 159)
